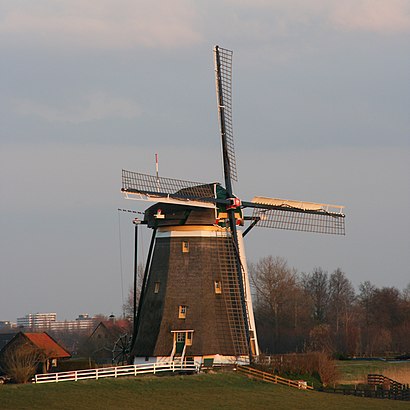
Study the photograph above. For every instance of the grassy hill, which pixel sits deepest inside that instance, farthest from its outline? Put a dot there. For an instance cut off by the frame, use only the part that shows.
(224, 390)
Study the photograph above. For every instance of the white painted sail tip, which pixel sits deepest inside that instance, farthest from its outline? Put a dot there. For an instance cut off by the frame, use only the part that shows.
(167, 200)
(304, 205)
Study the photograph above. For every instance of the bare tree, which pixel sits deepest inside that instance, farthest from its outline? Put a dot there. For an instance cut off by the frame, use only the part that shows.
(341, 294)
(385, 319)
(128, 306)
(366, 294)
(320, 339)
(367, 290)
(276, 286)
(402, 335)
(341, 315)
(385, 307)
(406, 293)
(316, 285)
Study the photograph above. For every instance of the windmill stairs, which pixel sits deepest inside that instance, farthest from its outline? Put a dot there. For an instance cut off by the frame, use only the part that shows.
(232, 297)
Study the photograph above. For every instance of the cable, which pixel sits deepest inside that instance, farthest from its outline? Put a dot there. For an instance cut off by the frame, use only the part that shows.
(121, 269)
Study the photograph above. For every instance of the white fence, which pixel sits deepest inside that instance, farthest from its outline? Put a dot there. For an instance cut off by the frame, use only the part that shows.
(118, 371)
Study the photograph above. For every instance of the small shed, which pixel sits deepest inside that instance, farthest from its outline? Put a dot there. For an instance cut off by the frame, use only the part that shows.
(51, 350)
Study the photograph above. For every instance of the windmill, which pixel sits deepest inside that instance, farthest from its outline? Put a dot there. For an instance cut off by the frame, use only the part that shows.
(195, 301)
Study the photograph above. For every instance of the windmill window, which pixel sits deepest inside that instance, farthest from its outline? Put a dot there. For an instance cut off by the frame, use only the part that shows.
(156, 287)
(181, 337)
(185, 247)
(218, 287)
(188, 341)
(182, 312)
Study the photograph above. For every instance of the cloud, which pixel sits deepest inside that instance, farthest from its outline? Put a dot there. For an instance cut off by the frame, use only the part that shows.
(372, 15)
(164, 24)
(92, 107)
(100, 23)
(348, 15)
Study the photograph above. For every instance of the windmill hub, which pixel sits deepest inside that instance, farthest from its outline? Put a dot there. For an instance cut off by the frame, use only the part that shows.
(234, 203)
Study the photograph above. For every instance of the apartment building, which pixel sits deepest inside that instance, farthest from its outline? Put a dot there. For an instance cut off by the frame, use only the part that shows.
(48, 322)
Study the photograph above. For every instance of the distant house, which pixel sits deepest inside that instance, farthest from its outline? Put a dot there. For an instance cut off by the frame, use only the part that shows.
(51, 351)
(6, 325)
(99, 345)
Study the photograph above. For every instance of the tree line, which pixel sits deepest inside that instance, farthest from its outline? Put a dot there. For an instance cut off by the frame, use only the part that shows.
(318, 311)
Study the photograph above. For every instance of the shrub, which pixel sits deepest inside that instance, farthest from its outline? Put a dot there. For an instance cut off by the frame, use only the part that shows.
(326, 368)
(20, 363)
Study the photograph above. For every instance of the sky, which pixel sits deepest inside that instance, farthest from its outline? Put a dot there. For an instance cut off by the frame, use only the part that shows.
(321, 97)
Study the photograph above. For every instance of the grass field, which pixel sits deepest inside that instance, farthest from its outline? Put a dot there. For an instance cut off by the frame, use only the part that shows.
(226, 390)
(355, 372)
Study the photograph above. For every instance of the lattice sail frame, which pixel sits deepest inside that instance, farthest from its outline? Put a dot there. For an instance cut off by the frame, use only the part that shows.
(151, 188)
(299, 221)
(225, 59)
(299, 215)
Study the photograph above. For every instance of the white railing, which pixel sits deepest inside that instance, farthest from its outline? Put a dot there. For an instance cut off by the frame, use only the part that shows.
(117, 371)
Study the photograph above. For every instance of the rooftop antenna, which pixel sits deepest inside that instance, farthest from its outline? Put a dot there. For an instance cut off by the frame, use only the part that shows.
(156, 171)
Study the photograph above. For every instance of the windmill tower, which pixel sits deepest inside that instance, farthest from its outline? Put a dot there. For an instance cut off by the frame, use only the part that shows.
(195, 299)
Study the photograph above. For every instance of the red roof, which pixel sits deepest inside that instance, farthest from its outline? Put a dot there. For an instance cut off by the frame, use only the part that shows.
(48, 344)
(120, 324)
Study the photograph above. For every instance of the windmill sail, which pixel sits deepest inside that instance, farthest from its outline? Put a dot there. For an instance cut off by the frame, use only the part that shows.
(151, 188)
(298, 215)
(223, 80)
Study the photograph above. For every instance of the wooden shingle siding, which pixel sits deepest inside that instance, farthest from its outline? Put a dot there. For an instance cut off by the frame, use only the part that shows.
(186, 279)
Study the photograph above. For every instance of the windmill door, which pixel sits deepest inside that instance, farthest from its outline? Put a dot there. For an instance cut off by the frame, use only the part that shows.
(180, 342)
